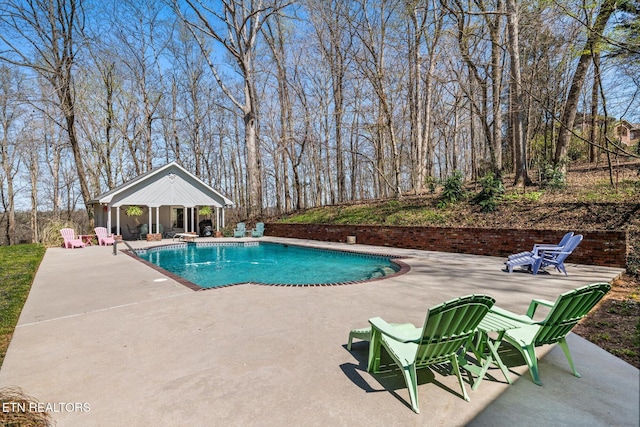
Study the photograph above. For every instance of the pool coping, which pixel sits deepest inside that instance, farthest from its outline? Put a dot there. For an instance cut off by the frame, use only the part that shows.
(403, 267)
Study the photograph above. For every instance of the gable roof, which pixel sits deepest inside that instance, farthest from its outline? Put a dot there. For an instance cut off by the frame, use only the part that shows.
(170, 184)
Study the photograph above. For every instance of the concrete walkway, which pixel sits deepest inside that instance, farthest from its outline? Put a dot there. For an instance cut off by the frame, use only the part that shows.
(112, 336)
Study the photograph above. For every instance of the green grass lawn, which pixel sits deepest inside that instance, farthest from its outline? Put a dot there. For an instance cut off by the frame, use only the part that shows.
(18, 266)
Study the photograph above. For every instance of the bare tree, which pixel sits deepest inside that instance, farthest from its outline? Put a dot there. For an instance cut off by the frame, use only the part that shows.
(470, 42)
(10, 114)
(274, 34)
(241, 21)
(194, 96)
(331, 28)
(44, 36)
(371, 28)
(425, 27)
(595, 33)
(97, 108)
(140, 44)
(516, 108)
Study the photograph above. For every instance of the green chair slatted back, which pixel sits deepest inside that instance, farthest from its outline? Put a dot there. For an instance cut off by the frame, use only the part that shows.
(258, 231)
(448, 326)
(565, 313)
(446, 330)
(569, 308)
(240, 230)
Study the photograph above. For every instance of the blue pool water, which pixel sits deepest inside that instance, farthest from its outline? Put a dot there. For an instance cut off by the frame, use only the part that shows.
(211, 266)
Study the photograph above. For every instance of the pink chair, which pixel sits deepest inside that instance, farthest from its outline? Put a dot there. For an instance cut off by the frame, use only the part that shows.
(103, 236)
(68, 234)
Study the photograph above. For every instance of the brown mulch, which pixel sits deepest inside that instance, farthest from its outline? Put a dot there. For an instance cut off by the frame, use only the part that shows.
(614, 324)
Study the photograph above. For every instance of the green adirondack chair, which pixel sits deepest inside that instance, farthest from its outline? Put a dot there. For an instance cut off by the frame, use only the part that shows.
(258, 231)
(240, 230)
(447, 328)
(565, 313)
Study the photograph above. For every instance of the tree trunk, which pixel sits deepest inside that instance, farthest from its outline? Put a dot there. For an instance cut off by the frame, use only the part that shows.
(494, 24)
(516, 107)
(241, 21)
(34, 174)
(571, 105)
(51, 28)
(67, 106)
(593, 131)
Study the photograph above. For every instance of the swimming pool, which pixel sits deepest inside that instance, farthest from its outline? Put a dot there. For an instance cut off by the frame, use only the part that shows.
(211, 265)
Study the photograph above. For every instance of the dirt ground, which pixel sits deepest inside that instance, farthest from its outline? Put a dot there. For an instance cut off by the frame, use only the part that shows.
(614, 324)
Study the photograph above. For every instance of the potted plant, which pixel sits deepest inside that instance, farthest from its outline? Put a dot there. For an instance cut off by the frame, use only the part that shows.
(206, 225)
(205, 211)
(135, 211)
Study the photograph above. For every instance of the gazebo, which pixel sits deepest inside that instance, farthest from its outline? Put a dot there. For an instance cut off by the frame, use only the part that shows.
(169, 197)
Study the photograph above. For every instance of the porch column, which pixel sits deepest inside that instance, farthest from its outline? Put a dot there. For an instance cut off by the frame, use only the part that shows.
(157, 230)
(109, 219)
(150, 223)
(217, 219)
(118, 231)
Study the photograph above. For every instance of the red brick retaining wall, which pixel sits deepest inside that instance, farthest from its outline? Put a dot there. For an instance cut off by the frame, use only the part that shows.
(604, 248)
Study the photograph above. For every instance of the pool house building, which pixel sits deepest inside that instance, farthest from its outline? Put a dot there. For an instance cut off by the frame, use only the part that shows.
(164, 201)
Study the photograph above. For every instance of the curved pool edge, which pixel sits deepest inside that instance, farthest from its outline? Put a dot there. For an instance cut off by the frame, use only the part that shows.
(403, 268)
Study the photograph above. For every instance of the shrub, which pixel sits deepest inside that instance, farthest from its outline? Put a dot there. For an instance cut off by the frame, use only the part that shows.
(491, 193)
(18, 413)
(552, 177)
(431, 183)
(452, 191)
(50, 235)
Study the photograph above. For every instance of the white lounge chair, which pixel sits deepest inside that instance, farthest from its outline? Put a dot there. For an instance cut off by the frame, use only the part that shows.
(546, 257)
(537, 247)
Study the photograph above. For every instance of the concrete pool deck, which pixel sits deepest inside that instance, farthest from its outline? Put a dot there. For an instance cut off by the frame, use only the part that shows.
(137, 348)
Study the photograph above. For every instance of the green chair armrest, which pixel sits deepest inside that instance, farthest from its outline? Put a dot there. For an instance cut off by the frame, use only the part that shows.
(398, 334)
(534, 305)
(512, 316)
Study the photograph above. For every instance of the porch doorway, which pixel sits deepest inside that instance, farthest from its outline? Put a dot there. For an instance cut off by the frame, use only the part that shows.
(181, 219)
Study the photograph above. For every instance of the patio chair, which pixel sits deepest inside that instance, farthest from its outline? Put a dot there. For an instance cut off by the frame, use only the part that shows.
(537, 247)
(103, 238)
(240, 230)
(447, 328)
(144, 230)
(258, 231)
(546, 257)
(135, 233)
(565, 313)
(70, 239)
